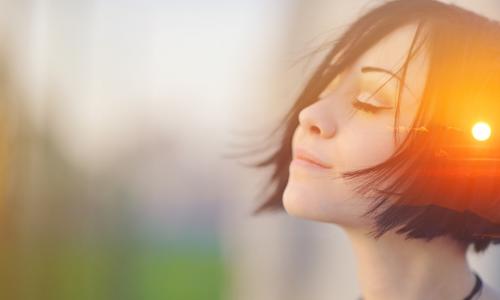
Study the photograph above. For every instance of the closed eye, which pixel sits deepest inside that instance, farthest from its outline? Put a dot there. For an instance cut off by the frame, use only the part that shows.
(368, 107)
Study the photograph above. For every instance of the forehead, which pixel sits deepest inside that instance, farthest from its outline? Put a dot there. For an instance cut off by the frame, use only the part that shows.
(390, 53)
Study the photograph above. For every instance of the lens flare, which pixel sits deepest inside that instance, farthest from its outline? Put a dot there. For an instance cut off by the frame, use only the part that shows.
(481, 131)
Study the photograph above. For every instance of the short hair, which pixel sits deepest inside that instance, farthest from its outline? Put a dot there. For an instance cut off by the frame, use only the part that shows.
(433, 195)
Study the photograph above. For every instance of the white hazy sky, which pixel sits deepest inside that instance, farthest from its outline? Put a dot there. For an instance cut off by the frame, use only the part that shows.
(110, 70)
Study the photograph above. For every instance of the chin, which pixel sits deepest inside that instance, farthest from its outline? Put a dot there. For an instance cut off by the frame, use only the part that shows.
(304, 204)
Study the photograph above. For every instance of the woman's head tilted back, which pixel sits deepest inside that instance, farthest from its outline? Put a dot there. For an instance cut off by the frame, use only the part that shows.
(387, 118)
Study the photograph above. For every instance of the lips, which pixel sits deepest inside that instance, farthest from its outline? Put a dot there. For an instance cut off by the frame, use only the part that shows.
(311, 158)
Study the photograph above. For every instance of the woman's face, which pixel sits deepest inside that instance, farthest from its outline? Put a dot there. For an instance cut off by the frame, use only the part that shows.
(345, 140)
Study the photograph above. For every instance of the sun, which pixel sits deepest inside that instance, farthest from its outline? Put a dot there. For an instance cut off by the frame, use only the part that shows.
(481, 131)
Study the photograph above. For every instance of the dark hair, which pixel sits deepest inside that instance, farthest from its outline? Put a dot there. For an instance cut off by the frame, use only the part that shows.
(443, 188)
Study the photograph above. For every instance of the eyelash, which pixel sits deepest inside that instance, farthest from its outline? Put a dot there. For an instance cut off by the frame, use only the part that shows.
(365, 106)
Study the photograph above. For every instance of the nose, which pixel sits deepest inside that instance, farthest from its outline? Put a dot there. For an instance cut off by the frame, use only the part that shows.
(316, 120)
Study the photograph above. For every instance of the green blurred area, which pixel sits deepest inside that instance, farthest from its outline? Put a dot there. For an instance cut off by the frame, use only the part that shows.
(182, 272)
(171, 271)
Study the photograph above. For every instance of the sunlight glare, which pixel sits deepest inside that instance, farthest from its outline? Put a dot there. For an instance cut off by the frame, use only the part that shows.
(481, 131)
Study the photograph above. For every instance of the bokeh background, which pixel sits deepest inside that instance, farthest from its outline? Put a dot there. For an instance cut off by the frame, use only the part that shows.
(118, 118)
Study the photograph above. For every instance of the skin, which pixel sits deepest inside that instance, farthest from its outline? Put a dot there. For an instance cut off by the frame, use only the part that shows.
(390, 267)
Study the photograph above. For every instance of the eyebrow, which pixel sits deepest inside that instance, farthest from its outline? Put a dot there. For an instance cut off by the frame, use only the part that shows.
(367, 69)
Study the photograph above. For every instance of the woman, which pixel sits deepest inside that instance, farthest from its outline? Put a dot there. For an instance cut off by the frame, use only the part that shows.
(395, 139)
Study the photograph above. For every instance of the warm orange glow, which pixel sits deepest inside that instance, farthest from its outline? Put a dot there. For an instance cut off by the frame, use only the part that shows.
(481, 131)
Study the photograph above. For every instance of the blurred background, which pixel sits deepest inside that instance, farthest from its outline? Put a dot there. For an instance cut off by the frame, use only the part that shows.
(117, 115)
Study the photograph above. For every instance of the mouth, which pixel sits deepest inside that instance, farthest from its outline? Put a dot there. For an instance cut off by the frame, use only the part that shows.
(304, 157)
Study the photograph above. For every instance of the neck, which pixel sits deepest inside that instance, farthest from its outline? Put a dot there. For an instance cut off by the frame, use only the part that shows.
(394, 268)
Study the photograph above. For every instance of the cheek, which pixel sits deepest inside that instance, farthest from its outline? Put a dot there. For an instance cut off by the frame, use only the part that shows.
(364, 142)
